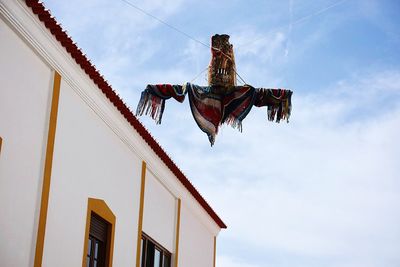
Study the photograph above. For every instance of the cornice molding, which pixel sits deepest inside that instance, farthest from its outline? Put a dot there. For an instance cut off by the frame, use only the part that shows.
(36, 35)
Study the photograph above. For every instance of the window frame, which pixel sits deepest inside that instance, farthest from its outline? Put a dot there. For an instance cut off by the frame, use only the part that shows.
(145, 239)
(1, 142)
(98, 207)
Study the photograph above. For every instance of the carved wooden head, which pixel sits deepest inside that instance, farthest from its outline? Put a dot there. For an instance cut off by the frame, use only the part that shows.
(222, 66)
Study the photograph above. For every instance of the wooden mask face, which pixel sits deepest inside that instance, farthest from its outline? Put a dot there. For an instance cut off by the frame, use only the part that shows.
(222, 66)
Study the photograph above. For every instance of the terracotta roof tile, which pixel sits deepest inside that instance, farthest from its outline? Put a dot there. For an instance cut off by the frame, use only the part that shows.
(63, 38)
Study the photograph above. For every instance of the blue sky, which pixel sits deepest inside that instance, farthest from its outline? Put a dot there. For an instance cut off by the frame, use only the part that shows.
(323, 190)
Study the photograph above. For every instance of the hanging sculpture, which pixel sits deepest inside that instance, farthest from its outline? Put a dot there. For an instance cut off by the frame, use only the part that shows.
(222, 101)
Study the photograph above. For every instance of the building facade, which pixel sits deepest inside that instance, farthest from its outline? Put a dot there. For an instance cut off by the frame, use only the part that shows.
(82, 182)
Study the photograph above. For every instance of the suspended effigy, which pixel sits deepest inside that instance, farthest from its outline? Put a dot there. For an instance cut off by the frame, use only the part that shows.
(222, 101)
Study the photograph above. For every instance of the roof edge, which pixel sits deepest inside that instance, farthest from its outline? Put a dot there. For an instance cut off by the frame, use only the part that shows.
(61, 36)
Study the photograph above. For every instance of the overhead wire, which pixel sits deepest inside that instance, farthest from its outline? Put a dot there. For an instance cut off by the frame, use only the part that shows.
(165, 23)
(198, 75)
(239, 76)
(318, 12)
(214, 48)
(177, 30)
(298, 21)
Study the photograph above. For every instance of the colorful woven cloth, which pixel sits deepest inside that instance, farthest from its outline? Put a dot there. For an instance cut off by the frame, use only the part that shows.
(210, 108)
(152, 101)
(212, 105)
(278, 101)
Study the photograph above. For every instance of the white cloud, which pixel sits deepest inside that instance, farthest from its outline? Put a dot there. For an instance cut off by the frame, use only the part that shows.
(320, 186)
(323, 188)
(263, 45)
(325, 185)
(227, 261)
(117, 37)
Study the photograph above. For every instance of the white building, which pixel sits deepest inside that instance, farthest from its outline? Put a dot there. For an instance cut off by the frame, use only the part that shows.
(82, 182)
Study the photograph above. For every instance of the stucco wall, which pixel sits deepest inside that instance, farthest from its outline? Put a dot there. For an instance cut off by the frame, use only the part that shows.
(89, 161)
(25, 96)
(159, 213)
(97, 154)
(196, 245)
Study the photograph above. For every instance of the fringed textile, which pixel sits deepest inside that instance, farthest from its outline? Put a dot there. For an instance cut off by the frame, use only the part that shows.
(212, 106)
(152, 101)
(278, 102)
(237, 104)
(206, 109)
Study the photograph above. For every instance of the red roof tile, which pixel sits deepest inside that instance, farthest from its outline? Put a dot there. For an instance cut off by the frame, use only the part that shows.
(61, 36)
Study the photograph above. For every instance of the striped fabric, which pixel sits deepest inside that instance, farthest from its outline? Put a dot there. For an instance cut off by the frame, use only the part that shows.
(152, 101)
(213, 106)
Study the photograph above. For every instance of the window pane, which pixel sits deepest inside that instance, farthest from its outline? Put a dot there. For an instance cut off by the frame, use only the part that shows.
(153, 254)
(89, 250)
(98, 243)
(150, 249)
(141, 251)
(96, 249)
(87, 261)
(166, 261)
(157, 258)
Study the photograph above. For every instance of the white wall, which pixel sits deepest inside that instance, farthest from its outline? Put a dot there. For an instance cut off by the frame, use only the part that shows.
(89, 161)
(159, 217)
(196, 243)
(25, 96)
(97, 154)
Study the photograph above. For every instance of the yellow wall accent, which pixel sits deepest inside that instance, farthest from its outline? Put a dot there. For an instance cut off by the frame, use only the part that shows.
(100, 207)
(215, 249)
(178, 225)
(140, 220)
(47, 171)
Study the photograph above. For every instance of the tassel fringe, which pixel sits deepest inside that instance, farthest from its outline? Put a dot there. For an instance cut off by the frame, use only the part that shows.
(151, 105)
(234, 123)
(281, 111)
(237, 106)
(211, 138)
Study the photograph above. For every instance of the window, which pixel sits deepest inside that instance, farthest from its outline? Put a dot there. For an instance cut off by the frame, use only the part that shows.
(99, 235)
(97, 243)
(153, 254)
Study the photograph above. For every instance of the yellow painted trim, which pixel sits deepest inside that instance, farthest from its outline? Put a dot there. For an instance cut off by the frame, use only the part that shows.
(178, 225)
(44, 202)
(140, 220)
(100, 207)
(215, 249)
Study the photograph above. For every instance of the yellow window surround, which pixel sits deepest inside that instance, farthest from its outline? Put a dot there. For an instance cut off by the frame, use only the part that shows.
(100, 208)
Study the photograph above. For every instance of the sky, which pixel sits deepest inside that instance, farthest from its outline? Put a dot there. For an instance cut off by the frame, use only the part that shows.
(321, 190)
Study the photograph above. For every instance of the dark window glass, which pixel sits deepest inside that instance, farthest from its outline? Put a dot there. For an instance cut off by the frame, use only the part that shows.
(142, 249)
(166, 260)
(97, 243)
(153, 254)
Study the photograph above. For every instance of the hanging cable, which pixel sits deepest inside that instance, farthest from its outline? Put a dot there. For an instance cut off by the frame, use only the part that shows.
(198, 75)
(214, 48)
(208, 46)
(165, 23)
(295, 22)
(181, 32)
(173, 27)
(240, 77)
(318, 12)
